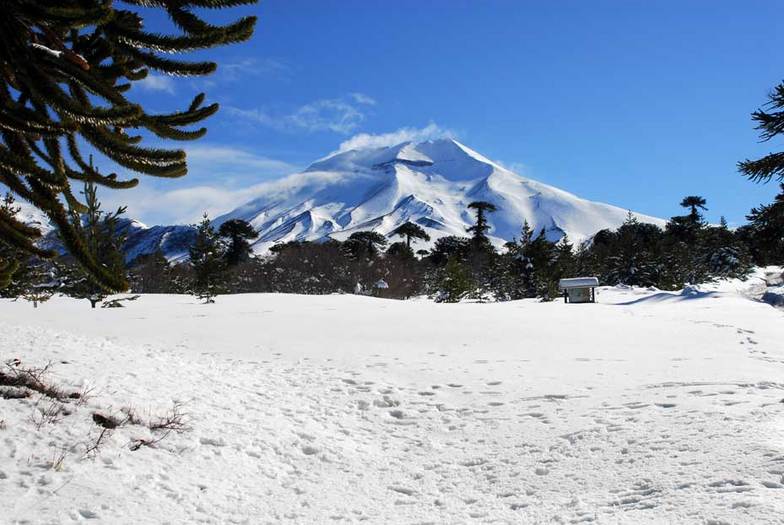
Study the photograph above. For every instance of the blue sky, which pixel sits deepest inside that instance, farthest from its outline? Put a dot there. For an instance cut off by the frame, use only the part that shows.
(635, 103)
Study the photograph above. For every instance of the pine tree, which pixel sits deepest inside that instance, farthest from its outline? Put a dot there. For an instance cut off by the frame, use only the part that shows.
(40, 282)
(66, 67)
(237, 233)
(207, 260)
(103, 243)
(770, 123)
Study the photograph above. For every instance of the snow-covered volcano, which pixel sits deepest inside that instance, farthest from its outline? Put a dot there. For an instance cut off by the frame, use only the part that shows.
(430, 183)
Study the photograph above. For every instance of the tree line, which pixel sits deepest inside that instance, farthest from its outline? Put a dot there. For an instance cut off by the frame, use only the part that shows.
(687, 250)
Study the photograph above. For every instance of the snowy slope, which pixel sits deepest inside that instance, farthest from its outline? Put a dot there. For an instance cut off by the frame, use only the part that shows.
(429, 183)
(649, 407)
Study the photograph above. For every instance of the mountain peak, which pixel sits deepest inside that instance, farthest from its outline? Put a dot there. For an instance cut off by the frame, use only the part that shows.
(429, 183)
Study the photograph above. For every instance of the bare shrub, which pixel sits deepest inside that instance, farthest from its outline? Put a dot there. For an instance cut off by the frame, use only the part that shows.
(175, 420)
(32, 378)
(48, 411)
(93, 447)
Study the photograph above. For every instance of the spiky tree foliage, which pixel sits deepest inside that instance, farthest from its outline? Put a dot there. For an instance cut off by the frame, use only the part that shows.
(409, 230)
(103, 242)
(207, 260)
(764, 235)
(40, 282)
(10, 256)
(694, 203)
(770, 123)
(481, 227)
(364, 245)
(151, 273)
(449, 247)
(455, 282)
(66, 68)
(237, 233)
(400, 251)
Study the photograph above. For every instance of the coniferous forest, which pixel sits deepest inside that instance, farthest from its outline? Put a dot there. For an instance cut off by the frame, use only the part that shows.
(687, 250)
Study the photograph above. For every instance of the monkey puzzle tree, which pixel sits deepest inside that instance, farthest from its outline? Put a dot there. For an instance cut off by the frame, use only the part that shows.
(770, 122)
(481, 227)
(409, 230)
(66, 67)
(238, 233)
(694, 203)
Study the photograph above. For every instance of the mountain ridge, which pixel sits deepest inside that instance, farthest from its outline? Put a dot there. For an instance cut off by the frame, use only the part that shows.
(429, 183)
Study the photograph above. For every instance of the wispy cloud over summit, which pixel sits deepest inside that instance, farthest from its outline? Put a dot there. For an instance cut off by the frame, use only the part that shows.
(407, 134)
(339, 115)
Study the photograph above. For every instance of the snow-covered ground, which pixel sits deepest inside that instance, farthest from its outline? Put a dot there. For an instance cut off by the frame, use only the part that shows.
(649, 407)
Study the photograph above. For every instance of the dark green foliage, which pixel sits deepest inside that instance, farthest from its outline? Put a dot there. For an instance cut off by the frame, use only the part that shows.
(207, 260)
(448, 247)
(152, 274)
(66, 67)
(479, 230)
(102, 242)
(400, 251)
(409, 230)
(455, 282)
(694, 203)
(364, 245)
(12, 259)
(764, 235)
(770, 123)
(237, 233)
(40, 281)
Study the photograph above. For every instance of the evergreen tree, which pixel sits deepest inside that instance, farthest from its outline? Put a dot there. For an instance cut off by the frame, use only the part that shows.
(152, 273)
(66, 68)
(694, 203)
(770, 122)
(409, 230)
(447, 247)
(40, 282)
(12, 260)
(238, 233)
(103, 243)
(633, 258)
(364, 245)
(481, 227)
(400, 251)
(207, 260)
(455, 283)
(764, 235)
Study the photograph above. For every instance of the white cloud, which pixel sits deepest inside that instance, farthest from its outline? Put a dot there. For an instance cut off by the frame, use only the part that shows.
(361, 98)
(368, 140)
(157, 83)
(253, 66)
(341, 115)
(220, 177)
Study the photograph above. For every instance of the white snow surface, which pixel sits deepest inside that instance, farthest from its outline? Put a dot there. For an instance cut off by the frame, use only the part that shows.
(648, 407)
(430, 183)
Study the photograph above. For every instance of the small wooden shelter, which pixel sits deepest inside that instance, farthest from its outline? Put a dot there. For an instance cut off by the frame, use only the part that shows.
(579, 289)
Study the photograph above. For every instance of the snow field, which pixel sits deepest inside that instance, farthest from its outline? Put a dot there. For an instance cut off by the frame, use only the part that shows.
(649, 407)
